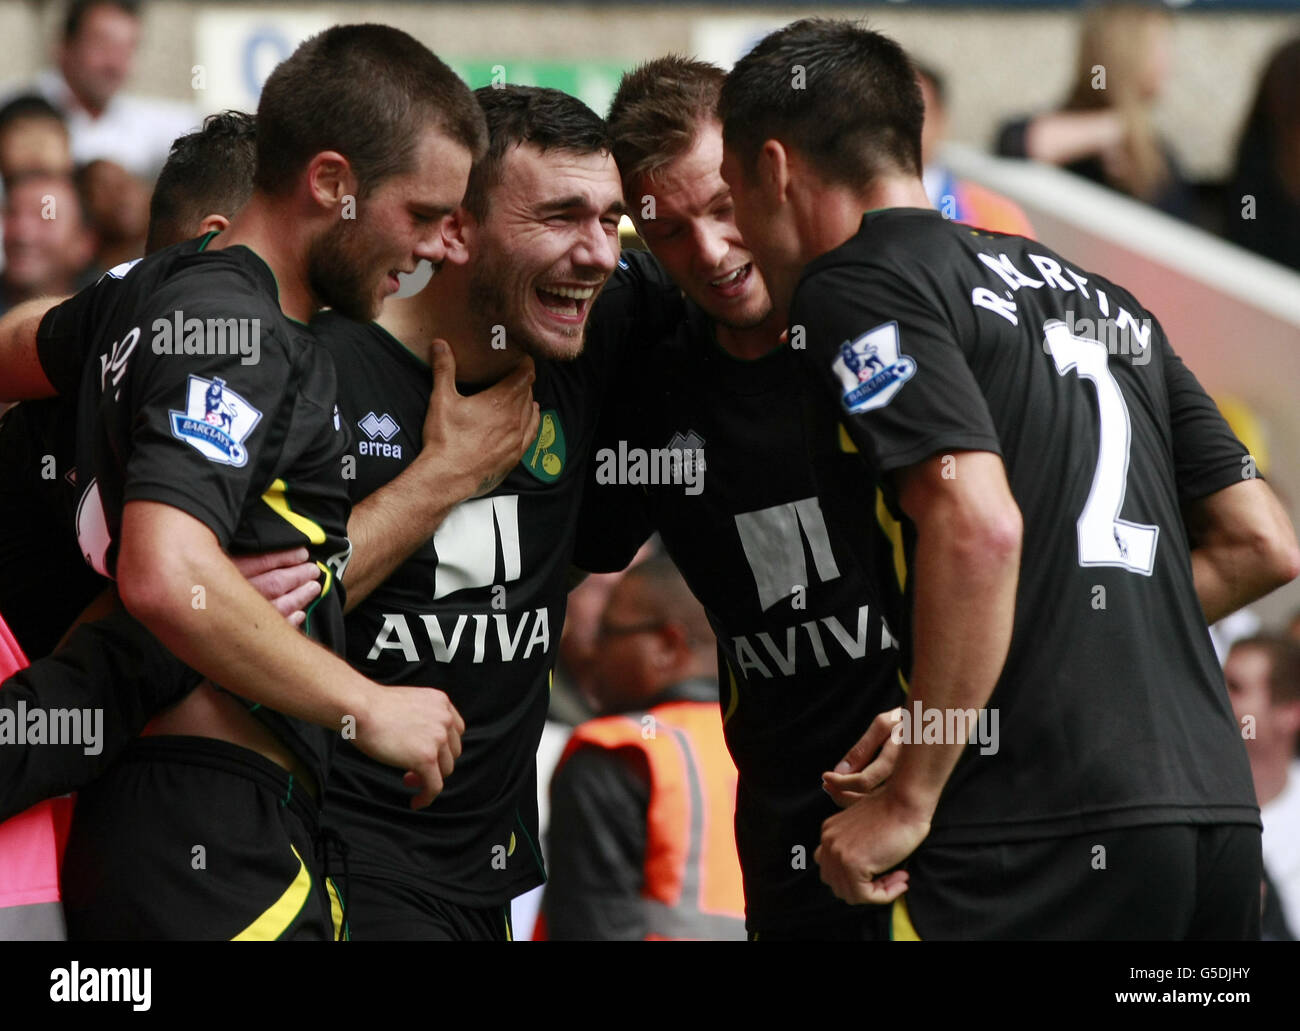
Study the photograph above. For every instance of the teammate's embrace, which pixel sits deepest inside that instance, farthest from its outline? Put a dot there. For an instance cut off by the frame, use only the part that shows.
(477, 609)
(189, 447)
(1116, 800)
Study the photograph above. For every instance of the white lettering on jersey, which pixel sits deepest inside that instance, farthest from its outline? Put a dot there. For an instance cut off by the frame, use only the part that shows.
(395, 634)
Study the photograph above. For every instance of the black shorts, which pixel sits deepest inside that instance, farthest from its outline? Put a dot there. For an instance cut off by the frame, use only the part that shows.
(390, 910)
(196, 839)
(1176, 882)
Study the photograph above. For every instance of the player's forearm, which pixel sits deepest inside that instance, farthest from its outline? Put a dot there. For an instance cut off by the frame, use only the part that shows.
(1229, 577)
(235, 636)
(389, 525)
(965, 598)
(21, 375)
(1243, 547)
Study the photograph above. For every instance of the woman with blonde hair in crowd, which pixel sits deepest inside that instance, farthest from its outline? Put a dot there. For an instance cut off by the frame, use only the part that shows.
(1104, 131)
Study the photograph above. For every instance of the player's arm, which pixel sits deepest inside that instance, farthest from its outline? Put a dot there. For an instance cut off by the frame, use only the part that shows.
(470, 444)
(240, 641)
(1243, 544)
(22, 377)
(966, 566)
(1243, 547)
(108, 664)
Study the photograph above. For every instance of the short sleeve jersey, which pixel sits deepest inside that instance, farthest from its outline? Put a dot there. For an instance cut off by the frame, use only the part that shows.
(476, 611)
(200, 394)
(783, 561)
(925, 338)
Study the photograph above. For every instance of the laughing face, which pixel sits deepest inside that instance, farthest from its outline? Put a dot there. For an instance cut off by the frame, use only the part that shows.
(547, 245)
(693, 234)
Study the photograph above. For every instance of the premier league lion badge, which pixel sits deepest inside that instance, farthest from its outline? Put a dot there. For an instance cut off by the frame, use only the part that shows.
(872, 370)
(216, 421)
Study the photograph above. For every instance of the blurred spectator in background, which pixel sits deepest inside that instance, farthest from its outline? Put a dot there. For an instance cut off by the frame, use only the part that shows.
(47, 243)
(117, 207)
(1263, 675)
(1263, 193)
(1104, 130)
(955, 198)
(94, 60)
(33, 138)
(642, 844)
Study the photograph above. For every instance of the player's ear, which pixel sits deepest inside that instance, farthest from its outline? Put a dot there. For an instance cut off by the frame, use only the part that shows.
(458, 233)
(332, 184)
(773, 170)
(213, 223)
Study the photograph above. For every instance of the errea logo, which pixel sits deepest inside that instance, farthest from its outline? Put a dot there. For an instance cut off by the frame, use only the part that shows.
(380, 429)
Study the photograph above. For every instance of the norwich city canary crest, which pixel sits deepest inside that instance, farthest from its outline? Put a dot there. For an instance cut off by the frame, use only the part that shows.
(545, 456)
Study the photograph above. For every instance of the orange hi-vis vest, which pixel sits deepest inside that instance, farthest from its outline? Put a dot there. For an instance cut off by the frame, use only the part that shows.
(693, 887)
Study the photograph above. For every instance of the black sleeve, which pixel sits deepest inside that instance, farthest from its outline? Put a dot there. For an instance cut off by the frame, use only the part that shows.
(66, 335)
(886, 359)
(114, 669)
(596, 848)
(1207, 454)
(193, 452)
(1011, 139)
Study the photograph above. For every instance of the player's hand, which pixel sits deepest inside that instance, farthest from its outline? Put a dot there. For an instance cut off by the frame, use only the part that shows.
(857, 773)
(416, 729)
(482, 436)
(873, 835)
(284, 578)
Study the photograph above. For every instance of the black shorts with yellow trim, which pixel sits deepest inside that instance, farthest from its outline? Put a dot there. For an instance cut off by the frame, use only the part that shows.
(1165, 882)
(383, 909)
(190, 838)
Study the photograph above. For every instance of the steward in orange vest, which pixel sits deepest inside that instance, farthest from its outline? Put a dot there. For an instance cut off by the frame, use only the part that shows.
(641, 843)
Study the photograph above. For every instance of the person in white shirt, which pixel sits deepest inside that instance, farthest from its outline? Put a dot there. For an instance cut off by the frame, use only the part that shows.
(1263, 675)
(94, 60)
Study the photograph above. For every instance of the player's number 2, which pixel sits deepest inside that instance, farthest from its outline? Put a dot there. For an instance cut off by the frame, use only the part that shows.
(1104, 538)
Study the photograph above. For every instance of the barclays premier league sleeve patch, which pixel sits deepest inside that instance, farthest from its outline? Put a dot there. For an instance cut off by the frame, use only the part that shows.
(871, 369)
(216, 421)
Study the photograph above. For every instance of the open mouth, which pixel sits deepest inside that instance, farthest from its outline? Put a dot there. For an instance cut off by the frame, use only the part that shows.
(733, 284)
(567, 303)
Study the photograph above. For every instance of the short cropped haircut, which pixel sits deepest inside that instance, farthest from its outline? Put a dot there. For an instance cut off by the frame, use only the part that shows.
(1283, 665)
(208, 172)
(657, 112)
(78, 9)
(548, 119)
(844, 97)
(366, 91)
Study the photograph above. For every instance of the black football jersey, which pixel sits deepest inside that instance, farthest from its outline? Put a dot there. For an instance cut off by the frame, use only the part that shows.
(784, 567)
(247, 441)
(44, 584)
(925, 337)
(476, 611)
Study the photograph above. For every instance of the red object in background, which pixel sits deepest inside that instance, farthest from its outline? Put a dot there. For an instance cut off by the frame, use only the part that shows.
(31, 843)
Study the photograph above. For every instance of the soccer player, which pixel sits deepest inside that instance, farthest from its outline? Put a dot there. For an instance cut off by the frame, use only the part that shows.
(46, 584)
(1040, 476)
(197, 447)
(783, 565)
(477, 610)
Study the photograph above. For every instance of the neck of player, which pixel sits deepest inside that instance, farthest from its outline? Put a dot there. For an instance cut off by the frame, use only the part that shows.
(753, 342)
(439, 312)
(830, 217)
(271, 230)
